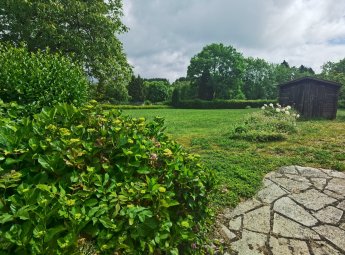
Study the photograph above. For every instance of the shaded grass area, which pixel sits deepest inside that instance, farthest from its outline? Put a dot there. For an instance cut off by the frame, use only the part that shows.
(240, 165)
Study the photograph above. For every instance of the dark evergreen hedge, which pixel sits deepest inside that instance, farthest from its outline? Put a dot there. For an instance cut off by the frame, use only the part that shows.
(223, 104)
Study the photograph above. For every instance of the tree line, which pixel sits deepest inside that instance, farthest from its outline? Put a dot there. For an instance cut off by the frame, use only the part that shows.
(221, 72)
(87, 34)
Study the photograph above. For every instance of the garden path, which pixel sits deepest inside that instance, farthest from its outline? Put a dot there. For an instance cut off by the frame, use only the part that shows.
(299, 211)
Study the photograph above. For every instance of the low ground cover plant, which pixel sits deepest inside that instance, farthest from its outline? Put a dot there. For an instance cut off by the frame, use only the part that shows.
(91, 181)
(272, 123)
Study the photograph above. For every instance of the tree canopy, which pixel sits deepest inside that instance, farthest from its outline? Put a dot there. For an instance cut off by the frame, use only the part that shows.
(335, 71)
(187, 89)
(258, 79)
(85, 29)
(225, 66)
(221, 72)
(206, 86)
(157, 91)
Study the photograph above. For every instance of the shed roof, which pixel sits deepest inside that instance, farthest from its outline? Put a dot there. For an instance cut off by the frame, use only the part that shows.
(326, 82)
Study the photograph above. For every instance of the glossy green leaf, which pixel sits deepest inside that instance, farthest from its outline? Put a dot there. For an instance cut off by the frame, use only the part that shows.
(23, 213)
(52, 232)
(44, 163)
(107, 223)
(33, 143)
(6, 217)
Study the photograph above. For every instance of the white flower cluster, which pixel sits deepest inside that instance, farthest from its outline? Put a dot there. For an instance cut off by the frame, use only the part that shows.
(279, 108)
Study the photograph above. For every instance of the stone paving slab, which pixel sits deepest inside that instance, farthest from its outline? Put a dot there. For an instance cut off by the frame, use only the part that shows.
(285, 227)
(236, 224)
(299, 210)
(285, 246)
(332, 233)
(289, 208)
(308, 199)
(270, 193)
(322, 248)
(251, 243)
(330, 214)
(258, 220)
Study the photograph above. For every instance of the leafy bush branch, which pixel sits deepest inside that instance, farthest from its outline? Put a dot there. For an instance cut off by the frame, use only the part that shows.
(86, 179)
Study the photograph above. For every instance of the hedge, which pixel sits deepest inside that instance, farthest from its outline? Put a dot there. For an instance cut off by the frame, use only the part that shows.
(120, 107)
(202, 104)
(223, 104)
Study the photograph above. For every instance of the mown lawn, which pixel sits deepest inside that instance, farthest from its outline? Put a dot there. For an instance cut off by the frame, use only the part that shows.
(240, 165)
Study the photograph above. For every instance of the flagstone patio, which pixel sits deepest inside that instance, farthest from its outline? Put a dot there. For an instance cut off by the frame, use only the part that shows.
(299, 211)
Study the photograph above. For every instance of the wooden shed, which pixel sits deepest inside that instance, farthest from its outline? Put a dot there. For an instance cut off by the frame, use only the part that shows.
(311, 97)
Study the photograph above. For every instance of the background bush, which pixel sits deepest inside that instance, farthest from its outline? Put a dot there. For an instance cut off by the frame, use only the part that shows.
(12, 111)
(40, 79)
(89, 180)
(156, 91)
(222, 104)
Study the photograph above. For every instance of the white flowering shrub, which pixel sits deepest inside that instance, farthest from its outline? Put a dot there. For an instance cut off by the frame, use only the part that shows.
(271, 110)
(272, 123)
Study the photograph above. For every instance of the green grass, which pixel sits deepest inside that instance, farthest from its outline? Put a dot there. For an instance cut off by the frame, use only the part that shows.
(185, 125)
(240, 165)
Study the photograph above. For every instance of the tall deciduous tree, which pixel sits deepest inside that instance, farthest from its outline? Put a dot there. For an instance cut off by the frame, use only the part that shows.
(283, 73)
(335, 71)
(86, 29)
(258, 79)
(334, 67)
(205, 86)
(225, 66)
(187, 89)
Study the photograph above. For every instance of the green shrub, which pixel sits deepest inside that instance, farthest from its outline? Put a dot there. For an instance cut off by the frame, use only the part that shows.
(12, 111)
(88, 180)
(270, 124)
(156, 91)
(222, 104)
(40, 79)
(341, 104)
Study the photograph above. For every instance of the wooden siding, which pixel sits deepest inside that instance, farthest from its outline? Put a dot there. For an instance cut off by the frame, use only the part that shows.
(311, 97)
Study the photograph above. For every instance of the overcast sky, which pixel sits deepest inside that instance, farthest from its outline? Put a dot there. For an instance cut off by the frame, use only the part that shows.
(165, 34)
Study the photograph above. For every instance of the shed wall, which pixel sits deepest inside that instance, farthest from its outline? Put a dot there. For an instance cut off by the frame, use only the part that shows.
(313, 99)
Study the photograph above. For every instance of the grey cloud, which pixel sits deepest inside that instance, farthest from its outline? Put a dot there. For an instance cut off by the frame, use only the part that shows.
(165, 34)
